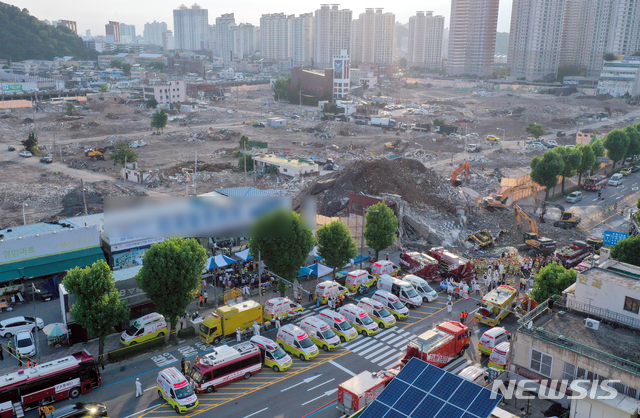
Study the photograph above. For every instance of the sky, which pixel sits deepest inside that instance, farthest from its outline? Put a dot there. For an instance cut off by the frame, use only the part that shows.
(94, 15)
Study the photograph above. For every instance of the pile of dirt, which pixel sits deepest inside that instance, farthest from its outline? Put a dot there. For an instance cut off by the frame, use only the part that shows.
(27, 120)
(202, 167)
(73, 202)
(407, 178)
(112, 116)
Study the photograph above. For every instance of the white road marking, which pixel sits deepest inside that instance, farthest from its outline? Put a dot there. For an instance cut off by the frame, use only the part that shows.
(385, 333)
(389, 363)
(377, 352)
(307, 380)
(393, 353)
(151, 388)
(400, 344)
(344, 369)
(140, 412)
(361, 344)
(257, 412)
(386, 337)
(327, 393)
(373, 347)
(398, 338)
(317, 386)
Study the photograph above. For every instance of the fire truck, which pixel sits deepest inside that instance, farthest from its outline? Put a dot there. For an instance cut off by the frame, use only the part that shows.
(440, 345)
(594, 183)
(362, 389)
(572, 255)
(452, 265)
(420, 264)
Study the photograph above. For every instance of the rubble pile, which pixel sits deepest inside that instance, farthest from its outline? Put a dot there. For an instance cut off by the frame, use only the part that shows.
(73, 202)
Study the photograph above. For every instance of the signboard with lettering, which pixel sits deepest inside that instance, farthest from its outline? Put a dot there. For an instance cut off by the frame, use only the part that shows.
(612, 237)
(11, 87)
(603, 160)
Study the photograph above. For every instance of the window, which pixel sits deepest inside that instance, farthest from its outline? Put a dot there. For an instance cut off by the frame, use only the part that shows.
(541, 363)
(631, 304)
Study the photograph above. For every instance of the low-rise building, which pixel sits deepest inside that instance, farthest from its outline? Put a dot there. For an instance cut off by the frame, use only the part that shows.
(288, 166)
(618, 78)
(167, 93)
(312, 83)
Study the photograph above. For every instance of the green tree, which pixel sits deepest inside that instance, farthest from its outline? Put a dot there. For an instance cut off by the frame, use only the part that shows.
(402, 63)
(171, 274)
(571, 158)
(280, 87)
(336, 245)
(70, 108)
(31, 143)
(157, 65)
(546, 169)
(178, 107)
(283, 243)
(123, 153)
(535, 130)
(438, 122)
(159, 120)
(587, 160)
(126, 68)
(381, 227)
(598, 151)
(116, 64)
(634, 141)
(570, 70)
(98, 307)
(152, 103)
(241, 160)
(104, 88)
(609, 56)
(243, 143)
(627, 250)
(552, 280)
(616, 142)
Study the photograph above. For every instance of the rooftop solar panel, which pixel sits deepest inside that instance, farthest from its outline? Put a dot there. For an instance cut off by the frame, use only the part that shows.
(422, 390)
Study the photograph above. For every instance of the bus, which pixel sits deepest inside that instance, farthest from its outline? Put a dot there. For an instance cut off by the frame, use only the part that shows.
(67, 377)
(225, 365)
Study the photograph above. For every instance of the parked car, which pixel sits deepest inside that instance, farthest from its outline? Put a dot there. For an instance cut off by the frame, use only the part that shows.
(625, 171)
(575, 197)
(26, 154)
(360, 122)
(454, 135)
(80, 410)
(492, 138)
(635, 168)
(560, 134)
(615, 180)
(25, 344)
(11, 326)
(46, 160)
(551, 143)
(12, 148)
(473, 148)
(295, 117)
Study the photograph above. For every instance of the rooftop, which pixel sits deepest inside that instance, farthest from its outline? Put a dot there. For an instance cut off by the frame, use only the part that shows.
(48, 227)
(291, 162)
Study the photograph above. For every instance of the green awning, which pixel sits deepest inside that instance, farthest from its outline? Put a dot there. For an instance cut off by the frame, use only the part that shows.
(53, 264)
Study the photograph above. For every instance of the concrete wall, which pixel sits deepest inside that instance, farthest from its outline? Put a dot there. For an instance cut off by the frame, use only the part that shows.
(593, 287)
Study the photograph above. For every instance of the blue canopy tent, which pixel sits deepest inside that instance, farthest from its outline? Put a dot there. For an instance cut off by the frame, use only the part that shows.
(244, 255)
(218, 261)
(304, 271)
(320, 270)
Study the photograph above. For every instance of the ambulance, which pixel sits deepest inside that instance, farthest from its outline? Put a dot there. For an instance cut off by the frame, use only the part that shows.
(361, 320)
(145, 328)
(174, 388)
(329, 289)
(339, 324)
(320, 333)
(378, 312)
(425, 291)
(393, 303)
(384, 267)
(296, 342)
(491, 338)
(358, 278)
(403, 290)
(498, 357)
(282, 308)
(272, 354)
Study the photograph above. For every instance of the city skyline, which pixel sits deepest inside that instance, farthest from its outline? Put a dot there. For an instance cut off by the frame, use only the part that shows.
(248, 11)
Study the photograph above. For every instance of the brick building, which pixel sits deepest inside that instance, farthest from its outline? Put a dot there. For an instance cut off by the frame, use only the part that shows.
(312, 83)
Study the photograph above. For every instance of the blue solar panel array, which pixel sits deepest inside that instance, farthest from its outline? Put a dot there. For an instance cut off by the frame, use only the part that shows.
(422, 390)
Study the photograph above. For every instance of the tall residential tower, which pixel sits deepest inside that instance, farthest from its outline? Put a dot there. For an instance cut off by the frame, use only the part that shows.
(191, 28)
(425, 41)
(331, 34)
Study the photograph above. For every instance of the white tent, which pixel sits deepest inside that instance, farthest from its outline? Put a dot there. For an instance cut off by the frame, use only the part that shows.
(244, 255)
(320, 270)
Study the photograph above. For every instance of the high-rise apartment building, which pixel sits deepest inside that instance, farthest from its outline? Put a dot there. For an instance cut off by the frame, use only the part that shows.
(275, 36)
(302, 39)
(112, 32)
(153, 32)
(69, 24)
(127, 33)
(372, 36)
(243, 40)
(535, 38)
(425, 41)
(168, 41)
(191, 28)
(472, 37)
(331, 34)
(224, 37)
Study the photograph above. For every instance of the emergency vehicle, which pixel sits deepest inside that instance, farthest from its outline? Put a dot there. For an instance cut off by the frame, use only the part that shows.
(225, 365)
(452, 265)
(174, 388)
(378, 312)
(594, 183)
(425, 291)
(282, 308)
(475, 374)
(362, 389)
(391, 302)
(384, 267)
(339, 324)
(296, 342)
(227, 319)
(329, 289)
(145, 328)
(420, 264)
(572, 255)
(272, 354)
(440, 345)
(320, 333)
(358, 278)
(499, 355)
(491, 338)
(403, 290)
(496, 305)
(359, 319)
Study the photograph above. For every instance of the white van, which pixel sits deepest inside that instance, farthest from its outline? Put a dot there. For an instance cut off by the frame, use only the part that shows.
(361, 320)
(491, 338)
(320, 333)
(403, 290)
(422, 287)
(384, 267)
(391, 302)
(295, 341)
(282, 308)
(475, 374)
(339, 324)
(378, 312)
(358, 278)
(329, 289)
(616, 180)
(272, 354)
(145, 328)
(174, 388)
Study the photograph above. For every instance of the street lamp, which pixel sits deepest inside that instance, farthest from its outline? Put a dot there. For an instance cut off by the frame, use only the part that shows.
(364, 213)
(34, 291)
(503, 133)
(24, 216)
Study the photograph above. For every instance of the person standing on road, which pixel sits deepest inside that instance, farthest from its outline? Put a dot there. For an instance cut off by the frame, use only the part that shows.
(238, 334)
(277, 322)
(206, 296)
(476, 287)
(256, 329)
(462, 317)
(138, 387)
(182, 364)
(449, 305)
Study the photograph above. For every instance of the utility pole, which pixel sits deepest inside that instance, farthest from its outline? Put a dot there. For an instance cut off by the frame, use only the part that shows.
(260, 277)
(244, 154)
(195, 176)
(84, 199)
(124, 177)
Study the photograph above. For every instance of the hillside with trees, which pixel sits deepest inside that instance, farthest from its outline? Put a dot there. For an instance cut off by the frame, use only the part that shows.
(25, 37)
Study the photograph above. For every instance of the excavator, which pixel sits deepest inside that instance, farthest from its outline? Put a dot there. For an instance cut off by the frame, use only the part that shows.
(534, 243)
(97, 153)
(500, 201)
(567, 219)
(454, 178)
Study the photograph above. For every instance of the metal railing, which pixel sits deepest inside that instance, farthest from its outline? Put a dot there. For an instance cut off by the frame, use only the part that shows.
(570, 303)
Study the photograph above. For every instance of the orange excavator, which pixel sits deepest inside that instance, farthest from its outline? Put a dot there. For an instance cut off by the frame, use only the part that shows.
(454, 178)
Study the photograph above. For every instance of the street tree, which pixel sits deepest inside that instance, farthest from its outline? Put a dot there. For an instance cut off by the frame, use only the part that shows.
(123, 154)
(336, 245)
(116, 64)
(283, 242)
(70, 108)
(152, 103)
(244, 142)
(627, 250)
(126, 68)
(171, 274)
(546, 169)
(159, 120)
(381, 227)
(31, 143)
(552, 280)
(241, 163)
(609, 56)
(598, 151)
(634, 141)
(588, 158)
(571, 157)
(98, 307)
(280, 87)
(104, 88)
(535, 130)
(616, 143)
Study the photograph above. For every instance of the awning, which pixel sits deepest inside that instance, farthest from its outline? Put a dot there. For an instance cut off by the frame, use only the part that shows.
(244, 255)
(218, 261)
(53, 264)
(320, 270)
(304, 271)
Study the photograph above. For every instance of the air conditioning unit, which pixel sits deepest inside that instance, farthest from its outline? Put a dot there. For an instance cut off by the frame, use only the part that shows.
(591, 324)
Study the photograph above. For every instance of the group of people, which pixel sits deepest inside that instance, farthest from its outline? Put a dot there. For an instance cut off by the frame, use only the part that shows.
(333, 302)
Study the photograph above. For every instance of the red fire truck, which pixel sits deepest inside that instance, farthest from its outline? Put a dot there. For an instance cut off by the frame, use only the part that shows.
(420, 264)
(362, 389)
(440, 345)
(572, 255)
(452, 265)
(594, 183)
